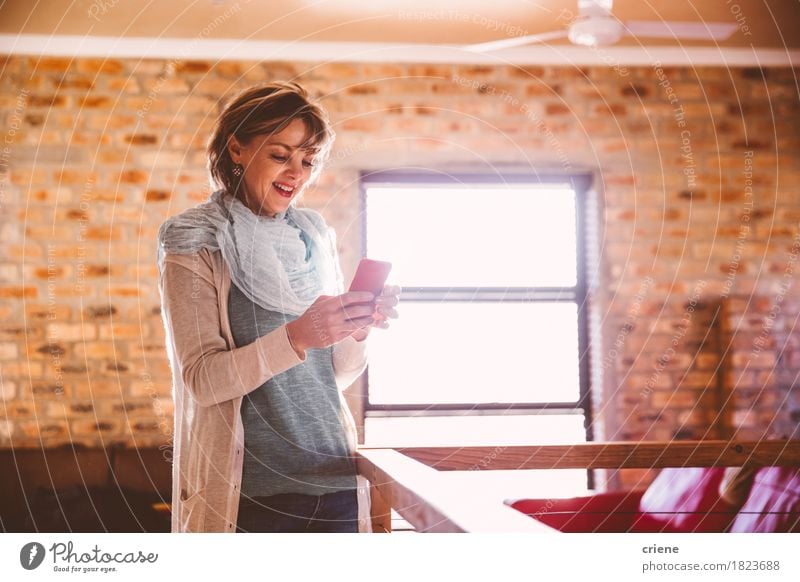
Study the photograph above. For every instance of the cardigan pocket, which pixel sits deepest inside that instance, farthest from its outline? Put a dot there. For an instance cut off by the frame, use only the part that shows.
(193, 511)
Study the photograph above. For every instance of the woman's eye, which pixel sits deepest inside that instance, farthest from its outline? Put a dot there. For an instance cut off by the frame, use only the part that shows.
(283, 160)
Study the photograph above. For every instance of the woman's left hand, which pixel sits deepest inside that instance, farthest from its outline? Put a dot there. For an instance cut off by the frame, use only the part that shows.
(384, 310)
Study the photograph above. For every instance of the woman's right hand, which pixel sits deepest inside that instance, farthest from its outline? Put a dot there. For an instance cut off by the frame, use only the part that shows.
(331, 319)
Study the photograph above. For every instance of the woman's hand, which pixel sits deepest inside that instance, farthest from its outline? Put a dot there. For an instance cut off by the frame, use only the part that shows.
(331, 319)
(385, 302)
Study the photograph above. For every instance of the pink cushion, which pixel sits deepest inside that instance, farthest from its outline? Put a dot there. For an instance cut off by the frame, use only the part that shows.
(685, 499)
(773, 504)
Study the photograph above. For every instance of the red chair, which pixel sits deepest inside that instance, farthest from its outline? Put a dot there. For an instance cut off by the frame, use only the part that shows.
(679, 500)
(773, 504)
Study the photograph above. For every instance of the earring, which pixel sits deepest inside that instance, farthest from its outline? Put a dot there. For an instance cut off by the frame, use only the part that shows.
(237, 170)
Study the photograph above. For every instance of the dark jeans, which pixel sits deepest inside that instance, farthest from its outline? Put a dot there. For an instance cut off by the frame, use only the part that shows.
(296, 513)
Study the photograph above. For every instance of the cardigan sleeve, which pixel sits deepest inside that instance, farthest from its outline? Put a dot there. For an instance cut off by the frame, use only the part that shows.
(210, 369)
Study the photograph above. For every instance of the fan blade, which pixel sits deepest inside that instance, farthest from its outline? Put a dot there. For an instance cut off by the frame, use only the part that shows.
(495, 45)
(680, 30)
(594, 7)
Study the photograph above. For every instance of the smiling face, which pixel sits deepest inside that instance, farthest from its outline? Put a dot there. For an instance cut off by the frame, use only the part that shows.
(276, 169)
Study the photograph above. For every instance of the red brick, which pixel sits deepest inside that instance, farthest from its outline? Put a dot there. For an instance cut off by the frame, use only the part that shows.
(34, 430)
(96, 102)
(48, 101)
(100, 66)
(192, 67)
(96, 427)
(50, 64)
(141, 139)
(17, 292)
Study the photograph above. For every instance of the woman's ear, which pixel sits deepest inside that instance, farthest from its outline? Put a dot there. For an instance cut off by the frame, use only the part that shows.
(234, 149)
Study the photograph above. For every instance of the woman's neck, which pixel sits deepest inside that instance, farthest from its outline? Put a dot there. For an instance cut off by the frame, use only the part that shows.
(257, 211)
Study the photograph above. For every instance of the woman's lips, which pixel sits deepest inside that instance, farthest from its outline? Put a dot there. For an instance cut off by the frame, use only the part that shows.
(282, 192)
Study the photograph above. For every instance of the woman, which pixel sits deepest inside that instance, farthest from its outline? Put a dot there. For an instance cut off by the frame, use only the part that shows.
(261, 336)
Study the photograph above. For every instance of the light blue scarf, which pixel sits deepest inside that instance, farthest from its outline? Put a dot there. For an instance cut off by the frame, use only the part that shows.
(267, 257)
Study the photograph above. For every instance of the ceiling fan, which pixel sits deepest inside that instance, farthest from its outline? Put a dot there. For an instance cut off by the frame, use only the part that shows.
(596, 26)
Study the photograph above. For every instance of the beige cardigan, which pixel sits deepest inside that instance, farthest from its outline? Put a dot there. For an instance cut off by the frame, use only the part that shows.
(210, 376)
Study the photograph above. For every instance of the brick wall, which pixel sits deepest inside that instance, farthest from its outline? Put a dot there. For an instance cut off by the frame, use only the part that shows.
(697, 207)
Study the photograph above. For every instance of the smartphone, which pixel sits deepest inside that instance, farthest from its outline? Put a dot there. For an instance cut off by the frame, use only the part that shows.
(370, 276)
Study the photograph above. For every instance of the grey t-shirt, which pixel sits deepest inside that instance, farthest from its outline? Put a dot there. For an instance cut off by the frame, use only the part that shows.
(295, 438)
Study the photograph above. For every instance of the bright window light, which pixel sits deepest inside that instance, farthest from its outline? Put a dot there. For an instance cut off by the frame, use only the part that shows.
(514, 236)
(468, 352)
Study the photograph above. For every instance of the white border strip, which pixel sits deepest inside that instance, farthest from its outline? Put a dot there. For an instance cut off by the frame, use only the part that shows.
(258, 50)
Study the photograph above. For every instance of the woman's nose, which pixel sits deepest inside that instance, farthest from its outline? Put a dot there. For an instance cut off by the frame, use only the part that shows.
(294, 167)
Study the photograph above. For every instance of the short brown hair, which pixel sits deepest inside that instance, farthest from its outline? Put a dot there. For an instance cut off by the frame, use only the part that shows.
(267, 109)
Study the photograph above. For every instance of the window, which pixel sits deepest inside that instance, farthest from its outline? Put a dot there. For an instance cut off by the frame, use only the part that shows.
(490, 347)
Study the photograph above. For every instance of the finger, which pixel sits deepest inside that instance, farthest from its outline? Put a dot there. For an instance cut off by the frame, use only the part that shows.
(391, 290)
(388, 312)
(352, 325)
(358, 311)
(383, 324)
(387, 300)
(356, 297)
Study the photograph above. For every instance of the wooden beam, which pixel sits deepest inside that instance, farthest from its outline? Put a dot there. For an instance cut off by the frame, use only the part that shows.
(381, 507)
(609, 455)
(430, 503)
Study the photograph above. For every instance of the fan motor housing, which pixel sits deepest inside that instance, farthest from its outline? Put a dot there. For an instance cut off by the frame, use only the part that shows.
(595, 31)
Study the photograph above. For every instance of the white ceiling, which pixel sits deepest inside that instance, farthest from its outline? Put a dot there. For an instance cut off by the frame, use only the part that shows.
(386, 30)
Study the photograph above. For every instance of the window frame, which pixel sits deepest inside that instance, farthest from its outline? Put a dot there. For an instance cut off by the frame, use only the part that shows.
(581, 184)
